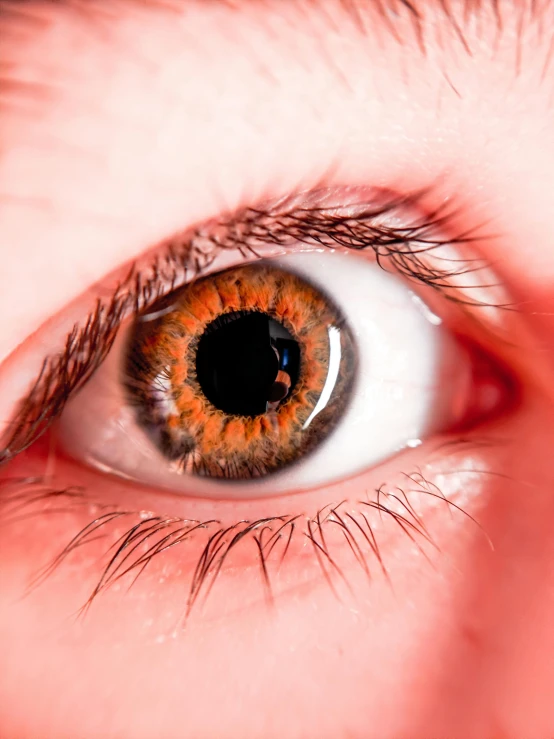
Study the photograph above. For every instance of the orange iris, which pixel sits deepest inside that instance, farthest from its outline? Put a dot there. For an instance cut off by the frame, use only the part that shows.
(166, 388)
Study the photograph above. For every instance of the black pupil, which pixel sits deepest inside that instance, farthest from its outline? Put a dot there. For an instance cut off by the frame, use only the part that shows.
(247, 363)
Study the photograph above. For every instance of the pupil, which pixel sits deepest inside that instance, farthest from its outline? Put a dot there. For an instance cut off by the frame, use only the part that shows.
(247, 363)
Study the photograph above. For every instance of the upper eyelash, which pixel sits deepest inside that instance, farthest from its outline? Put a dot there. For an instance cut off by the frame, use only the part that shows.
(86, 346)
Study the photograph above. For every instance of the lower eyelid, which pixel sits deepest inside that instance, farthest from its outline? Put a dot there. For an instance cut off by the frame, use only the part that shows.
(328, 536)
(431, 493)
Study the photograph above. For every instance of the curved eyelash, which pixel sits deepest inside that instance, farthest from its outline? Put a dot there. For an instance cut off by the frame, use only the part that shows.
(188, 256)
(148, 537)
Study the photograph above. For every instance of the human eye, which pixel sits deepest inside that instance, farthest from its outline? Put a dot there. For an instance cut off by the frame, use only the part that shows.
(187, 389)
(295, 597)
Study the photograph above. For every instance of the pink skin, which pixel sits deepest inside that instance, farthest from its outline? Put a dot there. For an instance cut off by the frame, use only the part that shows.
(126, 127)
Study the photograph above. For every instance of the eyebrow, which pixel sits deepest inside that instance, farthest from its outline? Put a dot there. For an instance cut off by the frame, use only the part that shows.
(458, 14)
(412, 23)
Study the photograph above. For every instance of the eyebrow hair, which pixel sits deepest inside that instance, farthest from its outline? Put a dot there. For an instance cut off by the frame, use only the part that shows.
(413, 24)
(457, 13)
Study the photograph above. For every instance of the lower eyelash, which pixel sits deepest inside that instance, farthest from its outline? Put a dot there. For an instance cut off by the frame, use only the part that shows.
(148, 536)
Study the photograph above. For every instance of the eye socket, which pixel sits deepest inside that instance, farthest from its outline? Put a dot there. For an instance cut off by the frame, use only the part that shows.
(401, 376)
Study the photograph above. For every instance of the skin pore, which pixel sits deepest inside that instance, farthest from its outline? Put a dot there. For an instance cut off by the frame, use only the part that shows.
(124, 122)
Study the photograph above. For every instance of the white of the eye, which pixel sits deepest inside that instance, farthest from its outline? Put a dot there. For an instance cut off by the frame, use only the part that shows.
(408, 369)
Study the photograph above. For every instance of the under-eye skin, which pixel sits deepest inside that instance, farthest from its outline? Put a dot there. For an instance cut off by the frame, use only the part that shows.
(226, 373)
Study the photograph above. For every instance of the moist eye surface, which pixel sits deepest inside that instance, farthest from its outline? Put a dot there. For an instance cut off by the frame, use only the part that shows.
(240, 374)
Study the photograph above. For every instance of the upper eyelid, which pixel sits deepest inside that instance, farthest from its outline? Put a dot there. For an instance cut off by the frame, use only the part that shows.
(309, 218)
(61, 234)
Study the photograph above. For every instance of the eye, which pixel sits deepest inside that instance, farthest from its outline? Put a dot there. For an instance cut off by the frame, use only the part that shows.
(138, 390)
(288, 373)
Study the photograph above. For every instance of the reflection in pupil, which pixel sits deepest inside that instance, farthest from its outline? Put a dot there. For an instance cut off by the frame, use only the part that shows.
(247, 363)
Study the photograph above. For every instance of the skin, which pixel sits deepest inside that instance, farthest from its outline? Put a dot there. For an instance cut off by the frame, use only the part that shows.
(121, 129)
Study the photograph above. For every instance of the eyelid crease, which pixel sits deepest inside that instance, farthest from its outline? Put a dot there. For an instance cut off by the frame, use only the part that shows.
(312, 220)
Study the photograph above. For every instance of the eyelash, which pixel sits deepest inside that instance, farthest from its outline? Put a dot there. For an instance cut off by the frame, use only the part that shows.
(188, 257)
(148, 536)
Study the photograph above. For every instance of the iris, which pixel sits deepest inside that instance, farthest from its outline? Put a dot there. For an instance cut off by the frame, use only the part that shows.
(235, 375)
